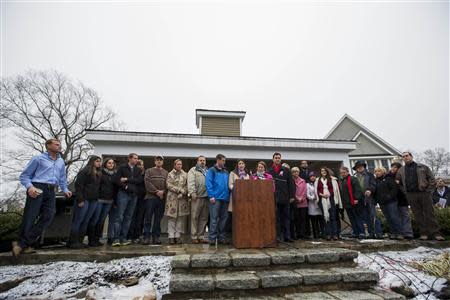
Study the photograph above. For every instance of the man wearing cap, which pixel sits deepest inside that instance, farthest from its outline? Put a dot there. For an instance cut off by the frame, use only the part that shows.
(155, 185)
(418, 182)
(367, 183)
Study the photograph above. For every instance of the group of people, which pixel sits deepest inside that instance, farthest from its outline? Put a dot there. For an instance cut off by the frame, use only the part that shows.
(308, 205)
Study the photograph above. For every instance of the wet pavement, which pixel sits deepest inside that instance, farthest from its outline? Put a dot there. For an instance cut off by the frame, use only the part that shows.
(106, 253)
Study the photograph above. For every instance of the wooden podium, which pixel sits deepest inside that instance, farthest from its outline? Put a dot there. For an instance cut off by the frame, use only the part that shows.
(254, 221)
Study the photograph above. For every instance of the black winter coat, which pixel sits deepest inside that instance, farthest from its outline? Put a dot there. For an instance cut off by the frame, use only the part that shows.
(134, 179)
(108, 191)
(141, 191)
(284, 185)
(386, 190)
(401, 197)
(87, 186)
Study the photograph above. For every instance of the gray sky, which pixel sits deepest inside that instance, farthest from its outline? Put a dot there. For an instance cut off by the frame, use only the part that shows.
(295, 67)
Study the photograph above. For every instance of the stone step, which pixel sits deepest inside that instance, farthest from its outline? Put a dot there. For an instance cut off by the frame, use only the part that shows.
(297, 280)
(371, 294)
(263, 258)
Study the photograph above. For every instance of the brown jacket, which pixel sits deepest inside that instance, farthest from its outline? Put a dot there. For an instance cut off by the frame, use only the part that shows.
(155, 179)
(177, 202)
(424, 175)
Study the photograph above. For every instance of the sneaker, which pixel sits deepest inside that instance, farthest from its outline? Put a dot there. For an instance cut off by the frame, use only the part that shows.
(146, 241)
(28, 250)
(195, 241)
(16, 249)
(125, 243)
(115, 243)
(423, 237)
(439, 238)
(212, 243)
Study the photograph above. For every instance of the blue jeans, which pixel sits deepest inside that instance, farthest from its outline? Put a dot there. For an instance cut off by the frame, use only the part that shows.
(137, 224)
(331, 228)
(355, 221)
(82, 217)
(283, 212)
(154, 209)
(44, 207)
(405, 222)
(370, 217)
(390, 211)
(218, 214)
(99, 217)
(123, 215)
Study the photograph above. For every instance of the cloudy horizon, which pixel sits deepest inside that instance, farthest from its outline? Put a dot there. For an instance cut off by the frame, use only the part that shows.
(295, 67)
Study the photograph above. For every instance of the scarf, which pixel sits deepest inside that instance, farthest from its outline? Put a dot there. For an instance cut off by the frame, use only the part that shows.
(200, 169)
(109, 172)
(329, 185)
(242, 174)
(260, 176)
(276, 168)
(350, 190)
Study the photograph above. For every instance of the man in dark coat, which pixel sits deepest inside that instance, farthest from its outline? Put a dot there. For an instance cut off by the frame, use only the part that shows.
(368, 184)
(417, 181)
(284, 195)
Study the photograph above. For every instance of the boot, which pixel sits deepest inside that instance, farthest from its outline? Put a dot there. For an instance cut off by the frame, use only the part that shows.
(81, 239)
(92, 238)
(74, 241)
(98, 232)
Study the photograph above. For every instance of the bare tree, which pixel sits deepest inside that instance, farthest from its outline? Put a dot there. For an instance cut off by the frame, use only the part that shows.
(437, 159)
(43, 105)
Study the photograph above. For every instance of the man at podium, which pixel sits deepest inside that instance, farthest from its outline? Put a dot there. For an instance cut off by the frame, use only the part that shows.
(284, 194)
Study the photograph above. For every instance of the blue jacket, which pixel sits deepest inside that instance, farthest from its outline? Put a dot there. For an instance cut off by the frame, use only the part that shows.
(217, 184)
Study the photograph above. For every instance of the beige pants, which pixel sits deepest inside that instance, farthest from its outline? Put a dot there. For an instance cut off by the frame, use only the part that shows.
(175, 226)
(199, 217)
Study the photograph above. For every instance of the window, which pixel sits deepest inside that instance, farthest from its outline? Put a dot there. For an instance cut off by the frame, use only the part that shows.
(385, 164)
(370, 165)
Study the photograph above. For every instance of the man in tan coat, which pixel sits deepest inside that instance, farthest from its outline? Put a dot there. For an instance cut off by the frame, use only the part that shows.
(199, 200)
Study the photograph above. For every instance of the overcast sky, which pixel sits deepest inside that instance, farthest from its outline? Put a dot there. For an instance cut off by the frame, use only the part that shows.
(295, 67)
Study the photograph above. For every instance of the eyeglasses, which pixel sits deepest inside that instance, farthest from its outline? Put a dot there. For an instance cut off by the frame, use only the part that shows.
(403, 156)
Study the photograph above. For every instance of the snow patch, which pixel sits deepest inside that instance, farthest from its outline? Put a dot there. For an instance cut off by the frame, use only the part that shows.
(394, 269)
(65, 279)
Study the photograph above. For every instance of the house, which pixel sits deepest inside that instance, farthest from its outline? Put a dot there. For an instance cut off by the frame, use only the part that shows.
(370, 147)
(219, 132)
